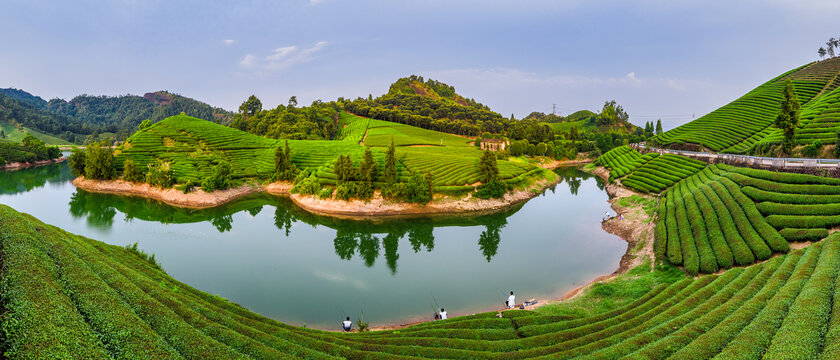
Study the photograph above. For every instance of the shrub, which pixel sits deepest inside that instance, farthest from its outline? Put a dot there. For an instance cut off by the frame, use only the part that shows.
(417, 189)
(149, 258)
(131, 172)
(186, 187)
(219, 180)
(77, 161)
(160, 175)
(326, 193)
(99, 162)
(495, 189)
(307, 186)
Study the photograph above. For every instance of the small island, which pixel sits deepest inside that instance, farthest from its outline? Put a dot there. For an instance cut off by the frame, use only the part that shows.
(332, 161)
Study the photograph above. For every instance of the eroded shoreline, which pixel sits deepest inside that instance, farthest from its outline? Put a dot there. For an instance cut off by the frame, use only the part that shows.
(353, 209)
(24, 165)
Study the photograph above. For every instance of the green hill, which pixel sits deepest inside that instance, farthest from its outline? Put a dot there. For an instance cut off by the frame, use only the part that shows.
(60, 122)
(66, 296)
(191, 146)
(745, 123)
(430, 104)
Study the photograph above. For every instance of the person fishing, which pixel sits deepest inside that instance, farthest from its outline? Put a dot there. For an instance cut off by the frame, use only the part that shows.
(442, 314)
(606, 215)
(347, 324)
(511, 301)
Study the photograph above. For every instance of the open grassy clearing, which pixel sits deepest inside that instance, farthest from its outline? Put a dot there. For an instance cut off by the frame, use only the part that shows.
(68, 296)
(15, 135)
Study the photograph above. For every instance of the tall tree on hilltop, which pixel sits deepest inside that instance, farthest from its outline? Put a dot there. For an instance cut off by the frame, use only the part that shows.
(658, 126)
(788, 118)
(293, 101)
(251, 106)
(821, 52)
(830, 47)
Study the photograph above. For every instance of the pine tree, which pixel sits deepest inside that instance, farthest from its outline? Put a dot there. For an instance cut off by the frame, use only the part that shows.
(488, 167)
(390, 171)
(367, 168)
(658, 126)
(788, 118)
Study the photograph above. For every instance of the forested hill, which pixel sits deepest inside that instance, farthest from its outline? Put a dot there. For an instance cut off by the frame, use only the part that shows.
(114, 113)
(84, 115)
(430, 104)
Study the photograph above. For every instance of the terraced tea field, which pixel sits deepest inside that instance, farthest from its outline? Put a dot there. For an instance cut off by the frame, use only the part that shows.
(741, 124)
(69, 296)
(191, 146)
(648, 173)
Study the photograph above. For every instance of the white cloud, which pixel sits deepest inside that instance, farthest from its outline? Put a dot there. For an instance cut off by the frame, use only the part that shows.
(283, 57)
(341, 279)
(228, 42)
(249, 61)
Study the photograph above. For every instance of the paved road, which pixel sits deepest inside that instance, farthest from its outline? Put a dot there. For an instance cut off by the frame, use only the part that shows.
(747, 160)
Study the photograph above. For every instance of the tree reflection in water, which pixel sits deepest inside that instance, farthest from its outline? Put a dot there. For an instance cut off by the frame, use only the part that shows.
(365, 238)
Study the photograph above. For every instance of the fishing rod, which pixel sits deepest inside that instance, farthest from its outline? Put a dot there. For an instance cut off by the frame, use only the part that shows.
(433, 298)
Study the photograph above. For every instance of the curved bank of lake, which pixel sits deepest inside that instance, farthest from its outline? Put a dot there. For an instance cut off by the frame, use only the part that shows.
(279, 260)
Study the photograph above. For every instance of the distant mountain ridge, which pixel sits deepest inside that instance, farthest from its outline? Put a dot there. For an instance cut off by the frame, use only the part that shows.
(87, 114)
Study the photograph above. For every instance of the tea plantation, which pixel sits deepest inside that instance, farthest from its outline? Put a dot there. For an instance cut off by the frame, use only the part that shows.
(66, 296)
(747, 121)
(191, 146)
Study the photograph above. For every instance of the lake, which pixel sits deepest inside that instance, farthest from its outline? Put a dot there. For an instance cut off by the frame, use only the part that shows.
(270, 256)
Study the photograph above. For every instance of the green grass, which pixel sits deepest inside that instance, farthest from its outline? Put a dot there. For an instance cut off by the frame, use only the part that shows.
(15, 135)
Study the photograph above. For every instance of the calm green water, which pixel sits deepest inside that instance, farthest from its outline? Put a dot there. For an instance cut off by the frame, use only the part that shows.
(275, 259)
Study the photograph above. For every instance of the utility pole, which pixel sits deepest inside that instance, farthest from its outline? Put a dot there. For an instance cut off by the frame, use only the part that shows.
(553, 109)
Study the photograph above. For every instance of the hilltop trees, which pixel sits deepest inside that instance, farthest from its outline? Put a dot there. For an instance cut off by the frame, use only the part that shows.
(830, 45)
(144, 124)
(658, 126)
(250, 107)
(788, 118)
(314, 122)
(612, 113)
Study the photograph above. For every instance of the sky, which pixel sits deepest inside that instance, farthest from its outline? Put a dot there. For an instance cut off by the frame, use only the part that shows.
(674, 60)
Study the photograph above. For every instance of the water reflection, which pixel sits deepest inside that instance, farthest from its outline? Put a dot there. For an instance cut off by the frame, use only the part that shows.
(19, 181)
(367, 239)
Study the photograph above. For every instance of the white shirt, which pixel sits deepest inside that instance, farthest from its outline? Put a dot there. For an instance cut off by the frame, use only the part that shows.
(443, 315)
(511, 301)
(347, 324)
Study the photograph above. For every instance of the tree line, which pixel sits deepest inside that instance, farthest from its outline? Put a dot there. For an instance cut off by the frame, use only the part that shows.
(30, 149)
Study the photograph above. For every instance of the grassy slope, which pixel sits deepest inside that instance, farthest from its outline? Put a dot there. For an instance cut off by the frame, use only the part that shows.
(13, 134)
(741, 124)
(192, 145)
(68, 296)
